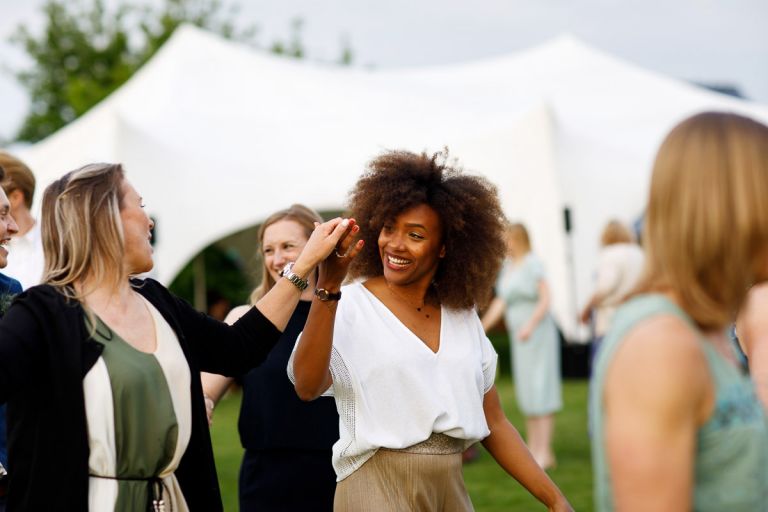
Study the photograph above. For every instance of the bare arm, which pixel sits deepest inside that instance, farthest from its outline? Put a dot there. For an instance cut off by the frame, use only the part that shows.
(509, 450)
(539, 312)
(312, 359)
(656, 396)
(586, 312)
(215, 385)
(493, 314)
(608, 280)
(752, 329)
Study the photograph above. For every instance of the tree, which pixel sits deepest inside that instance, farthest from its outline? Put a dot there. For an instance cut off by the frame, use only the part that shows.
(86, 51)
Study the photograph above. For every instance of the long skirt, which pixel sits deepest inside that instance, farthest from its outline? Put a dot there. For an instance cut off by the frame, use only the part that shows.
(426, 477)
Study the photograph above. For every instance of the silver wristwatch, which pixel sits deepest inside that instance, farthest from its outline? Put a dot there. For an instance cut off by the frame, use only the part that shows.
(288, 273)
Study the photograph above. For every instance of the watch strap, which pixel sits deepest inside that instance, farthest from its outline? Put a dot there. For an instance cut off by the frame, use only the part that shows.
(325, 296)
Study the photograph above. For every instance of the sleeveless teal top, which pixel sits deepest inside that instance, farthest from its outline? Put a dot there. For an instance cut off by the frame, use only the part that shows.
(731, 466)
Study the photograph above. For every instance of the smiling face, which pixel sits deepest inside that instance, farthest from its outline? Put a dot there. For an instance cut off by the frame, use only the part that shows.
(8, 227)
(282, 243)
(411, 245)
(136, 231)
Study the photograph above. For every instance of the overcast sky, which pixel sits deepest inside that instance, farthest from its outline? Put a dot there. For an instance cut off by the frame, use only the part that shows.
(717, 41)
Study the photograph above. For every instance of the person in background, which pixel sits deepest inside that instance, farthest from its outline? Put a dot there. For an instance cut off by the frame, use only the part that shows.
(676, 421)
(217, 304)
(8, 289)
(619, 267)
(402, 349)
(25, 261)
(752, 333)
(101, 372)
(287, 462)
(523, 298)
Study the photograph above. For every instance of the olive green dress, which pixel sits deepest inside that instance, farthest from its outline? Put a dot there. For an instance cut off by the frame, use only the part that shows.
(135, 434)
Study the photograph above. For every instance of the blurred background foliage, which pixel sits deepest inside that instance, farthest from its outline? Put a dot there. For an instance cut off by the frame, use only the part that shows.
(87, 50)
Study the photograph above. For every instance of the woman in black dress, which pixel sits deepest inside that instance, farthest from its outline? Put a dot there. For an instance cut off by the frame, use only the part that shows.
(287, 462)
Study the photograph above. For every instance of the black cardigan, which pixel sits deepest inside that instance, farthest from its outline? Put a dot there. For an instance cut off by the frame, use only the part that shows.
(45, 352)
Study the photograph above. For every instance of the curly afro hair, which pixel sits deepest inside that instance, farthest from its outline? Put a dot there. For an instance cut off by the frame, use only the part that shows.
(468, 207)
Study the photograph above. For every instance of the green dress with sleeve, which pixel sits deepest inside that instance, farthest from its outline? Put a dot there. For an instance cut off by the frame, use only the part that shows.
(535, 361)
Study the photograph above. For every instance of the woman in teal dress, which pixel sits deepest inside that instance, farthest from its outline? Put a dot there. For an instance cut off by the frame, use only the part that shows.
(676, 422)
(522, 297)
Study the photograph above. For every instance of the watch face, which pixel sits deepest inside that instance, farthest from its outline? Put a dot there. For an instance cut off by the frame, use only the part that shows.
(325, 295)
(287, 269)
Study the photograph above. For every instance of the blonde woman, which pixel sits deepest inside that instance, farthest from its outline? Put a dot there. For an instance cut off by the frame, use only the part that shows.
(619, 266)
(522, 297)
(287, 462)
(676, 423)
(101, 372)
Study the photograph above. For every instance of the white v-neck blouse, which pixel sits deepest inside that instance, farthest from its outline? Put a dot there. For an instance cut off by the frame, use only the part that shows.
(392, 390)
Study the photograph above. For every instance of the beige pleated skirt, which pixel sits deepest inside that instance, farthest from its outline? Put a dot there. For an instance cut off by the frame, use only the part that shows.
(426, 477)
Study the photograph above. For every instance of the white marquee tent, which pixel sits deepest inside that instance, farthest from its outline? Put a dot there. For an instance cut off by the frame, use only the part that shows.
(216, 136)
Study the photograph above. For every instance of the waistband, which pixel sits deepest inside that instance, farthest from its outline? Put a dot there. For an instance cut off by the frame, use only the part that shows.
(436, 444)
(156, 488)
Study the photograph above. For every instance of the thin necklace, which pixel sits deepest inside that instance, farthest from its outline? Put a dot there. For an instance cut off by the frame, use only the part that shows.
(404, 299)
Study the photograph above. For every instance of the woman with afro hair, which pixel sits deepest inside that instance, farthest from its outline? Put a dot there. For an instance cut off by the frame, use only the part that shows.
(402, 349)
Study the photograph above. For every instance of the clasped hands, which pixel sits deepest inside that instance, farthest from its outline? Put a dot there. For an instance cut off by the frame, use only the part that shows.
(332, 245)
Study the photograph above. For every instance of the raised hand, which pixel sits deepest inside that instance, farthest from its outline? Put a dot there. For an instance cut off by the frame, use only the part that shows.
(321, 243)
(334, 268)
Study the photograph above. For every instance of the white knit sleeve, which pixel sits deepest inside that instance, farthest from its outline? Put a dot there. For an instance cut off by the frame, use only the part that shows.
(489, 359)
(292, 376)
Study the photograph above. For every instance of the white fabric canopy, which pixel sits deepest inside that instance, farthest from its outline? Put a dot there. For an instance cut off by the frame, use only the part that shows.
(216, 136)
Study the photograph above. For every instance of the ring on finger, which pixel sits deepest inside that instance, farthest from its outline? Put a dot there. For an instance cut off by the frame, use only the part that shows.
(336, 252)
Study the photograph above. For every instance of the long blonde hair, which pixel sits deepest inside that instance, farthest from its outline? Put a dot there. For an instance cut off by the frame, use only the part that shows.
(706, 231)
(81, 229)
(302, 215)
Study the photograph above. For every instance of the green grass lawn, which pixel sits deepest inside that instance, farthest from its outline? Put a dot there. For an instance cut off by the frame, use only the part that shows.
(489, 486)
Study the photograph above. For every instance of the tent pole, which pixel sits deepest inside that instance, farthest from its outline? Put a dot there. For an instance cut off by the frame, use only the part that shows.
(573, 306)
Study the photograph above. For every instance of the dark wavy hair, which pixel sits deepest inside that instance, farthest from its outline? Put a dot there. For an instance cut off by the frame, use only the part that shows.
(469, 210)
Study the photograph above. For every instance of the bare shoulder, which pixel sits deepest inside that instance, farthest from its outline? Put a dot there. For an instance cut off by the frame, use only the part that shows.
(235, 314)
(660, 364)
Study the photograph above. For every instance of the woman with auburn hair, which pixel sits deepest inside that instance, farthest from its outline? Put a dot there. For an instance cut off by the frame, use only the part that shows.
(287, 462)
(677, 425)
(402, 349)
(522, 297)
(101, 371)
